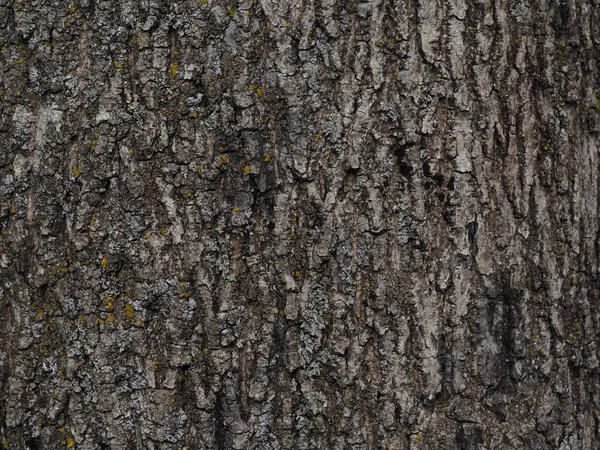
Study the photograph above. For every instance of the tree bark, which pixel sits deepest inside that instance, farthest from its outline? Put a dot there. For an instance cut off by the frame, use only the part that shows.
(299, 225)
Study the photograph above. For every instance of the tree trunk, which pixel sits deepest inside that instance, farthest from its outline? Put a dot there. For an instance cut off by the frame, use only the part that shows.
(299, 225)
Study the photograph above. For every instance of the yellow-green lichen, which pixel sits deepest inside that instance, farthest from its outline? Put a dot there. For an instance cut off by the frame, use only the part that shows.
(76, 172)
(128, 311)
(109, 303)
(174, 69)
(57, 270)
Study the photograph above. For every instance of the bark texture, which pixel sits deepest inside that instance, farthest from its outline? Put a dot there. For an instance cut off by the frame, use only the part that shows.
(307, 224)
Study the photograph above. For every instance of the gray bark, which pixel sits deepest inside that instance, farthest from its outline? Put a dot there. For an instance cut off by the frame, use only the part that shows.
(299, 225)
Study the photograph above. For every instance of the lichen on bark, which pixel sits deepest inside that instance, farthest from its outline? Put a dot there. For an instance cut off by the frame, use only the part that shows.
(272, 225)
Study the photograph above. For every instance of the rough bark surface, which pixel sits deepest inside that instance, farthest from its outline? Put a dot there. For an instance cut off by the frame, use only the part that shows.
(299, 224)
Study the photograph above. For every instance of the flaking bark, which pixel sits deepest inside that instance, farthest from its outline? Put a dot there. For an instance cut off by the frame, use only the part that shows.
(299, 225)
